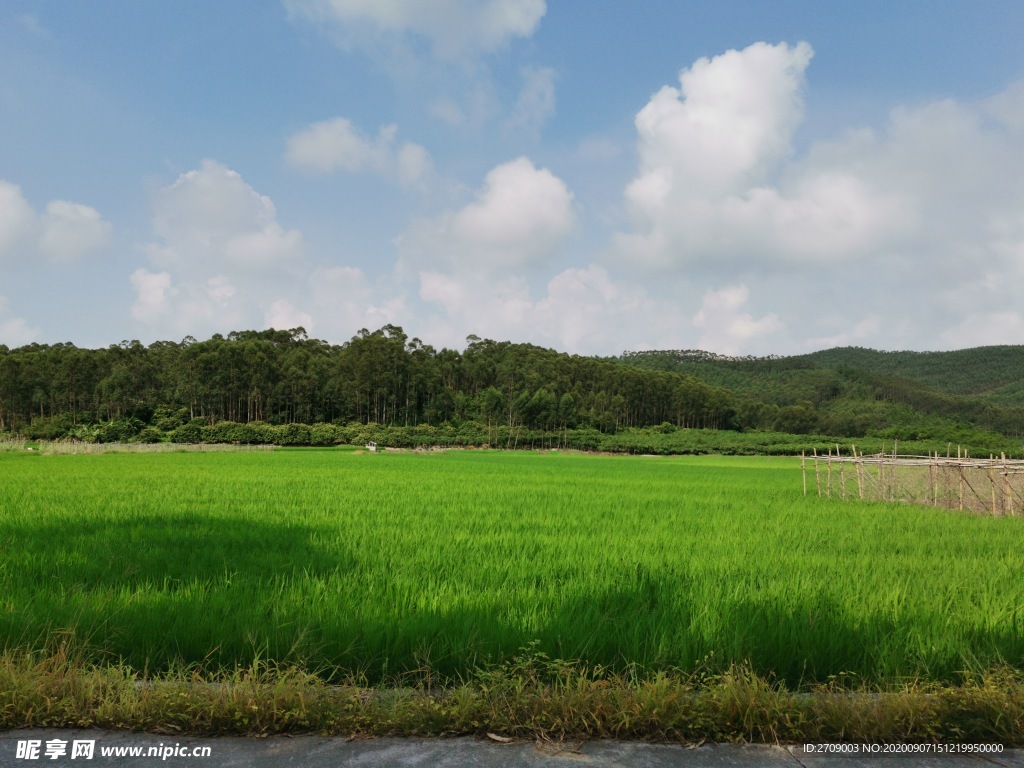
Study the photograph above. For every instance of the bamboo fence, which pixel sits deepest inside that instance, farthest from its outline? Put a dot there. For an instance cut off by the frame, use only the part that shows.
(992, 486)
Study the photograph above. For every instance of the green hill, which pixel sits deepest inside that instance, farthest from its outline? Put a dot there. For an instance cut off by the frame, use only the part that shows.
(974, 371)
(856, 391)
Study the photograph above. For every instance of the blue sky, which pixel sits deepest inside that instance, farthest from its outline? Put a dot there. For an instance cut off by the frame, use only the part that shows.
(593, 176)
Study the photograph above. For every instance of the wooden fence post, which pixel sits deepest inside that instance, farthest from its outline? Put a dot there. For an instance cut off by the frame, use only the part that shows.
(803, 468)
(828, 474)
(857, 467)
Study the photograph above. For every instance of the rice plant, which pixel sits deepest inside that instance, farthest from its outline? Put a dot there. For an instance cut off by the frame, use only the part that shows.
(383, 564)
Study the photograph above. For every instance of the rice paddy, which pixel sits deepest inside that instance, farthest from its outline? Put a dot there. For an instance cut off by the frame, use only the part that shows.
(384, 564)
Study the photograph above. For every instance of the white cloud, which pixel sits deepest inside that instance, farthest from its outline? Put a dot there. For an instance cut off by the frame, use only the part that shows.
(345, 301)
(727, 124)
(337, 145)
(152, 294)
(475, 106)
(211, 216)
(413, 164)
(17, 220)
(725, 327)
(716, 184)
(580, 310)
(521, 215)
(586, 311)
(884, 234)
(520, 218)
(986, 328)
(221, 257)
(332, 145)
(1008, 107)
(860, 331)
(224, 262)
(220, 289)
(190, 305)
(447, 111)
(65, 232)
(15, 331)
(536, 102)
(918, 221)
(283, 316)
(709, 151)
(71, 230)
(452, 28)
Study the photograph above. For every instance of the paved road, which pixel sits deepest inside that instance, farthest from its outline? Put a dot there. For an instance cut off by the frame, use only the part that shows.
(277, 752)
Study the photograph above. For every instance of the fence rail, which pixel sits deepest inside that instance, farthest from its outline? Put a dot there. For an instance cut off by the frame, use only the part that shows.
(984, 486)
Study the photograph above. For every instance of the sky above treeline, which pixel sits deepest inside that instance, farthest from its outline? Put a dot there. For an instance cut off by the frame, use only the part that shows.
(589, 175)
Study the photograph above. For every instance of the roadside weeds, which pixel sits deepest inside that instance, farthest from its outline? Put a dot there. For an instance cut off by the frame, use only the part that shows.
(530, 697)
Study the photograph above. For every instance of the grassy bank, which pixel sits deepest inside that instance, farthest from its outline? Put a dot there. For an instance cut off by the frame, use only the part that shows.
(528, 697)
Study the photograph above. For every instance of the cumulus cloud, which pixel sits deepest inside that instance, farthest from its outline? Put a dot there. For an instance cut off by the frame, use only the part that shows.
(878, 236)
(221, 257)
(710, 151)
(63, 233)
(451, 28)
(337, 145)
(211, 216)
(152, 294)
(917, 220)
(487, 306)
(282, 315)
(520, 218)
(344, 301)
(951, 178)
(71, 230)
(985, 328)
(522, 214)
(724, 128)
(580, 310)
(725, 327)
(15, 331)
(1007, 108)
(223, 262)
(190, 304)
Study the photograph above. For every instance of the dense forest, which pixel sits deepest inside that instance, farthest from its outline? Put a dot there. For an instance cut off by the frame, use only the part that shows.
(130, 391)
(987, 371)
(854, 391)
(383, 377)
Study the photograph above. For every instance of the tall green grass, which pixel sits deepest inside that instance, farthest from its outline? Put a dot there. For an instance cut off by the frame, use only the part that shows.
(75, 447)
(385, 564)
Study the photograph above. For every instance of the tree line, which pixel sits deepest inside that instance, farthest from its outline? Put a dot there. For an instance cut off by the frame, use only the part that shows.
(281, 377)
(130, 391)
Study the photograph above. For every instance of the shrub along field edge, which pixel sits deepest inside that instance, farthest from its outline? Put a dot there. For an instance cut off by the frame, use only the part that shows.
(528, 697)
(665, 439)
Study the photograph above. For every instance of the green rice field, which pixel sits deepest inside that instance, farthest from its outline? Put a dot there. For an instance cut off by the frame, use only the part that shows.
(380, 564)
